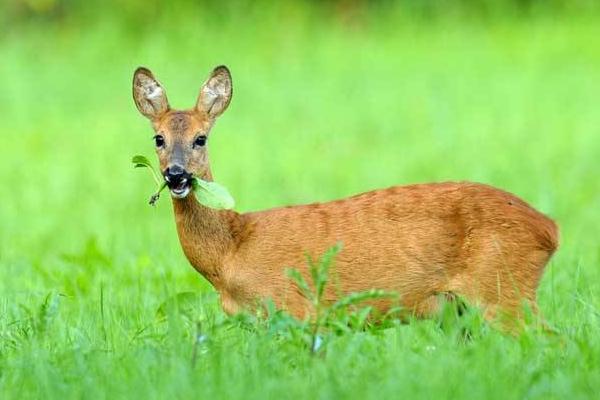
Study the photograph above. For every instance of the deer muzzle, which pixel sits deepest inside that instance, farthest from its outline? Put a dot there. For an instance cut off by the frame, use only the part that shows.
(178, 180)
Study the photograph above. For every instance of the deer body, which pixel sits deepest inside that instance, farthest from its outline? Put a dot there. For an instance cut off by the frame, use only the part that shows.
(418, 240)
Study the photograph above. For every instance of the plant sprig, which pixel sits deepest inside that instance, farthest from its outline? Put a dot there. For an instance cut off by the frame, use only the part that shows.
(209, 194)
(342, 314)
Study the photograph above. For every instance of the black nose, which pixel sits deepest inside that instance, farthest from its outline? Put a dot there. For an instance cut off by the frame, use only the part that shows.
(174, 175)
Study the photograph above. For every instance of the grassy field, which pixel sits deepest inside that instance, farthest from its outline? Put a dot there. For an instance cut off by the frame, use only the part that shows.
(321, 110)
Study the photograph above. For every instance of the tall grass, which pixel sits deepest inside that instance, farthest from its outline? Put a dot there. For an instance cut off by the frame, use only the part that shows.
(322, 108)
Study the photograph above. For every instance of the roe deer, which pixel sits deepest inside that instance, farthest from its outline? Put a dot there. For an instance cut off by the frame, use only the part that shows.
(422, 241)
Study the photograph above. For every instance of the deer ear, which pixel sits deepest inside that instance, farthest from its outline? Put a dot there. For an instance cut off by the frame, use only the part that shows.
(215, 94)
(149, 96)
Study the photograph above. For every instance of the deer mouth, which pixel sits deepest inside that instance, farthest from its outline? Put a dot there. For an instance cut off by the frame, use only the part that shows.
(181, 189)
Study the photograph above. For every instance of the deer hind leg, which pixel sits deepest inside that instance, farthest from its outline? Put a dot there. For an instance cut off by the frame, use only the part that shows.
(511, 315)
(506, 287)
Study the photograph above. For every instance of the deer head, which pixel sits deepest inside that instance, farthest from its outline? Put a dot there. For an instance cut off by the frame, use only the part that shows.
(181, 136)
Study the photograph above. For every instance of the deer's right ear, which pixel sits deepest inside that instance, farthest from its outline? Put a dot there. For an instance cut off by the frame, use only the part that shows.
(149, 96)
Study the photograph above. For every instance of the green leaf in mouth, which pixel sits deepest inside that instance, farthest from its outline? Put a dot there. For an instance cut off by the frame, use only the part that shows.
(213, 195)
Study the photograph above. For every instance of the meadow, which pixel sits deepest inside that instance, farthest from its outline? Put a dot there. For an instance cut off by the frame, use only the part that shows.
(323, 107)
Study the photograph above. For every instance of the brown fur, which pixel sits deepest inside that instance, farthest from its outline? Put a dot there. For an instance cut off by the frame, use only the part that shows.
(420, 240)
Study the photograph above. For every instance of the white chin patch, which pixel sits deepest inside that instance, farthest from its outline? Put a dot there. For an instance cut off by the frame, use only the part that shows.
(180, 194)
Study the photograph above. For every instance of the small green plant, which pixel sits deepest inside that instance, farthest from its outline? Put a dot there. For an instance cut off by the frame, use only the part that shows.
(209, 194)
(341, 316)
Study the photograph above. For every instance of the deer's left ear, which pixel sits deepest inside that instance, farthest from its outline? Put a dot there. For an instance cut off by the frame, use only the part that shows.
(215, 94)
(149, 96)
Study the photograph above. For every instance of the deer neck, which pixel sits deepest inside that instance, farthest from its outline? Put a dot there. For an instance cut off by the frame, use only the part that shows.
(207, 236)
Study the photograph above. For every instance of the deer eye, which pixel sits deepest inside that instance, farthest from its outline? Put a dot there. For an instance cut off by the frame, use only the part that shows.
(159, 140)
(200, 141)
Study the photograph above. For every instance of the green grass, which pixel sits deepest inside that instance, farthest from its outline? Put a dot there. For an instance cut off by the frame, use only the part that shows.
(321, 110)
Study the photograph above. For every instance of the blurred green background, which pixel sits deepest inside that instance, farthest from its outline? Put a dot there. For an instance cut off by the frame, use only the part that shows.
(330, 99)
